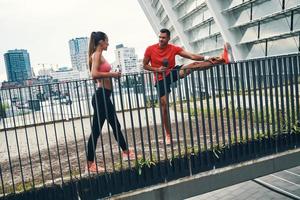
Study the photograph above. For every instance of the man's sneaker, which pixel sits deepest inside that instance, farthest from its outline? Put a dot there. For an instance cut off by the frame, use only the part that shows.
(128, 154)
(227, 54)
(168, 139)
(92, 168)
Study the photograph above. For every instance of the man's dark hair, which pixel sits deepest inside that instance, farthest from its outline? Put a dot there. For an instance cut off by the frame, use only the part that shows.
(164, 30)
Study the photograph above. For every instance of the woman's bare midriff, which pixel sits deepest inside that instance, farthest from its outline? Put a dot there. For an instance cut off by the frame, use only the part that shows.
(104, 83)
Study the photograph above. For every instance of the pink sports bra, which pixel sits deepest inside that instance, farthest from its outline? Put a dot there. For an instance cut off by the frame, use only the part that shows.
(104, 67)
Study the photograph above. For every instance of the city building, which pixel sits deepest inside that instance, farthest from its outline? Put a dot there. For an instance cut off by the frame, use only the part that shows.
(254, 28)
(66, 74)
(126, 59)
(79, 53)
(18, 66)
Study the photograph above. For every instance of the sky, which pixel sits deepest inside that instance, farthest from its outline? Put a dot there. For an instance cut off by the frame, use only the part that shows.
(44, 27)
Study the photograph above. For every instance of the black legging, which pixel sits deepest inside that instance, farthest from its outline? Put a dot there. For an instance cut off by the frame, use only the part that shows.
(102, 96)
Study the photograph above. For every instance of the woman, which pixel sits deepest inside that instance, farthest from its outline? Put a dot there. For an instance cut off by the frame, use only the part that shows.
(101, 71)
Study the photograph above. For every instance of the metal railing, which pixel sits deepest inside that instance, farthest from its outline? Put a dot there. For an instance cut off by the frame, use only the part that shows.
(223, 115)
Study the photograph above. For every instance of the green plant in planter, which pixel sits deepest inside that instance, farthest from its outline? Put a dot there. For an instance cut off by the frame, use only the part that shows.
(217, 150)
(141, 163)
(296, 128)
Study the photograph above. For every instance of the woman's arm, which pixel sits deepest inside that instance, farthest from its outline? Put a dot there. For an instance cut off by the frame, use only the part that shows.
(96, 61)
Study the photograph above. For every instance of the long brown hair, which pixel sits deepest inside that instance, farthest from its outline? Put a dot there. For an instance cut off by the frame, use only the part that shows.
(95, 38)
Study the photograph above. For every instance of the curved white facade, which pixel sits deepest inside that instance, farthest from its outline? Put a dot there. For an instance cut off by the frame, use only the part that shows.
(254, 28)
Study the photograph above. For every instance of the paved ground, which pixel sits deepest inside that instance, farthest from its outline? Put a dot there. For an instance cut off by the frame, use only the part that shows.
(278, 186)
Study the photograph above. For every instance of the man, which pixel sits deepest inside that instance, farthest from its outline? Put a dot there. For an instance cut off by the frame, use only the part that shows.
(160, 58)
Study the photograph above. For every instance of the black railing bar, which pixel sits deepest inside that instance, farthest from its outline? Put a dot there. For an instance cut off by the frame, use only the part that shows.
(287, 102)
(8, 153)
(275, 67)
(297, 82)
(182, 116)
(176, 119)
(237, 66)
(208, 116)
(81, 117)
(168, 110)
(47, 142)
(242, 72)
(215, 112)
(163, 128)
(200, 76)
(196, 112)
(2, 182)
(231, 87)
(131, 121)
(115, 119)
(65, 137)
(146, 115)
(56, 140)
(186, 88)
(280, 73)
(154, 117)
(291, 79)
(272, 86)
(27, 141)
(224, 67)
(250, 106)
(219, 83)
(139, 119)
(259, 80)
(135, 78)
(18, 147)
(37, 142)
(124, 122)
(264, 74)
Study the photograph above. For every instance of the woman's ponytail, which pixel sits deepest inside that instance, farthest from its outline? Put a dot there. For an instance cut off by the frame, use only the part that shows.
(95, 38)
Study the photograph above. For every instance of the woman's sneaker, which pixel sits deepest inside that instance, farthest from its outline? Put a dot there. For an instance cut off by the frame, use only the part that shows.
(128, 154)
(92, 168)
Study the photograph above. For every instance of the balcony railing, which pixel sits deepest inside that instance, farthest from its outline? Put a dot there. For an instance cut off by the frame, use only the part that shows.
(223, 115)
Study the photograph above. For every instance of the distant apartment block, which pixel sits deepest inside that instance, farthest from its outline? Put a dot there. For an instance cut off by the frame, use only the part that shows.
(126, 59)
(254, 28)
(79, 53)
(17, 63)
(65, 74)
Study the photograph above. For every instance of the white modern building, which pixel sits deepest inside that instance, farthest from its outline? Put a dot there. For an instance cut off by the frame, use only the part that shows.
(66, 74)
(79, 53)
(254, 28)
(126, 59)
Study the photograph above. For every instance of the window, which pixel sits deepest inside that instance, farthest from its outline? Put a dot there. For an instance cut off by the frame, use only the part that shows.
(275, 27)
(283, 46)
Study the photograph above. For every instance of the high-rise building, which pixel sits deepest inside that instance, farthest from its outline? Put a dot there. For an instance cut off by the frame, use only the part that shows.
(126, 59)
(17, 64)
(79, 53)
(254, 28)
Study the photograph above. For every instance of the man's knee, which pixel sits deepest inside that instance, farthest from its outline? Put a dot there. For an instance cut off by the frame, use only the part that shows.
(184, 72)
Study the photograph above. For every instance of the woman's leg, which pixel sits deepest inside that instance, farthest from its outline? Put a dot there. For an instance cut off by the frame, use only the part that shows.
(115, 124)
(96, 128)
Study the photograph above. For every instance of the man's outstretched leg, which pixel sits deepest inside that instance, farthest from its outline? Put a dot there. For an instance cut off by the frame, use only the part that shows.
(225, 58)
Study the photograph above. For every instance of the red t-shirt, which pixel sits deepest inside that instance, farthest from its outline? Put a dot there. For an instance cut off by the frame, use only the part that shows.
(157, 55)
